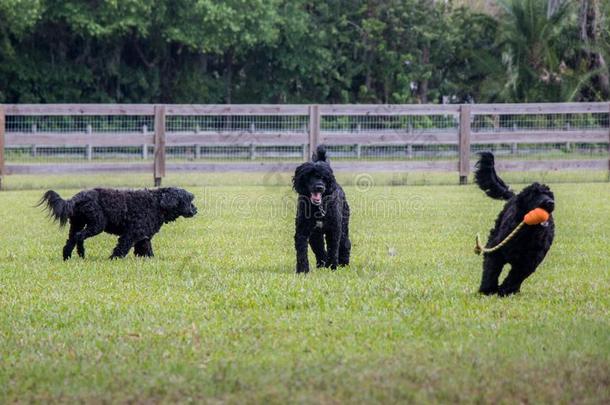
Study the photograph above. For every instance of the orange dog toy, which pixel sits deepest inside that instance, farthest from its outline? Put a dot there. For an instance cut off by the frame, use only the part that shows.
(534, 217)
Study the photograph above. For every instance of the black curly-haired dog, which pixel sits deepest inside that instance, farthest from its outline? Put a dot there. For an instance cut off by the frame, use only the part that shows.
(134, 215)
(526, 250)
(322, 212)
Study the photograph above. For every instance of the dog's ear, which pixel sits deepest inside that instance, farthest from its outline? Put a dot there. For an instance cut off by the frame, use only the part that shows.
(169, 200)
(300, 175)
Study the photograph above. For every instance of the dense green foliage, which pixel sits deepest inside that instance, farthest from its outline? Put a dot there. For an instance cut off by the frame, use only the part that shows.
(211, 51)
(219, 316)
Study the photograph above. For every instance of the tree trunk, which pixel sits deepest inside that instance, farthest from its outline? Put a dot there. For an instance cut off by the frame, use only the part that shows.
(591, 24)
(423, 85)
(229, 75)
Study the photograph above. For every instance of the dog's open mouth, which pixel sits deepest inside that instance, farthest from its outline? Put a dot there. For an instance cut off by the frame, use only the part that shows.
(316, 198)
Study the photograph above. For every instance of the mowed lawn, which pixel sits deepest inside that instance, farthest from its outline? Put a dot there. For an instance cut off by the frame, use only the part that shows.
(219, 315)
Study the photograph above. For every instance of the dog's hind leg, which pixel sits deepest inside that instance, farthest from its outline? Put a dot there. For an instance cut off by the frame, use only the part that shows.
(143, 248)
(492, 267)
(76, 227)
(316, 241)
(518, 273)
(345, 246)
(72, 241)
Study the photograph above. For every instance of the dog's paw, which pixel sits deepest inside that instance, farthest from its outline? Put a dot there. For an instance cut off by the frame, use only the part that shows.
(505, 292)
(488, 290)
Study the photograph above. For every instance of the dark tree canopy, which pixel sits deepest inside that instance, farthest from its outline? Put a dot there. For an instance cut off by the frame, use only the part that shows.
(301, 51)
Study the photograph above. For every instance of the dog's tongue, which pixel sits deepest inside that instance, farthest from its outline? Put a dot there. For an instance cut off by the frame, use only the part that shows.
(316, 198)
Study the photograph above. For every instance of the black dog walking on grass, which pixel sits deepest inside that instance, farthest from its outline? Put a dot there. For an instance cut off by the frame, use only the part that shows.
(526, 250)
(322, 212)
(134, 215)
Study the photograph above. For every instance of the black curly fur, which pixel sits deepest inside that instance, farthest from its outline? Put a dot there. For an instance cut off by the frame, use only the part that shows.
(316, 222)
(527, 249)
(134, 215)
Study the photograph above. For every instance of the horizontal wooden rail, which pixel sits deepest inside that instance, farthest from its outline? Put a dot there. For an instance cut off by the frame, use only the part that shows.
(559, 136)
(386, 109)
(52, 168)
(389, 137)
(434, 166)
(551, 165)
(540, 108)
(278, 138)
(79, 109)
(78, 139)
(237, 138)
(302, 109)
(338, 166)
(237, 109)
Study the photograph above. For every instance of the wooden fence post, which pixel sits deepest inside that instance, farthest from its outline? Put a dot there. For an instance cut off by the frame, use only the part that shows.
(34, 130)
(145, 146)
(608, 143)
(89, 149)
(314, 128)
(464, 143)
(2, 127)
(159, 165)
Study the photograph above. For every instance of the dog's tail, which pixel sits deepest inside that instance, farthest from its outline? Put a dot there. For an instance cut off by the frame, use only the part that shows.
(320, 154)
(59, 209)
(488, 180)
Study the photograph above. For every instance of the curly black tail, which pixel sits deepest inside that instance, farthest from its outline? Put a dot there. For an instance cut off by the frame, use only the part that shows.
(320, 154)
(59, 209)
(488, 180)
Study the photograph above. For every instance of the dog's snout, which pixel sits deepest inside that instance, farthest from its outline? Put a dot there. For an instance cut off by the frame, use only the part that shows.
(548, 205)
(319, 187)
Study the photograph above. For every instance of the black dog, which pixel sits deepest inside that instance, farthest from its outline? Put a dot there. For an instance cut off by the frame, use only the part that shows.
(322, 211)
(526, 250)
(134, 215)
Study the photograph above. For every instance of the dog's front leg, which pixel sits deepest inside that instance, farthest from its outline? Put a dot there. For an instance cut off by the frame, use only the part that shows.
(492, 267)
(123, 246)
(316, 241)
(300, 245)
(333, 238)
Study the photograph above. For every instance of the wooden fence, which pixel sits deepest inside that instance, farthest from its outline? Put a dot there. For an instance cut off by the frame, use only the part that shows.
(468, 132)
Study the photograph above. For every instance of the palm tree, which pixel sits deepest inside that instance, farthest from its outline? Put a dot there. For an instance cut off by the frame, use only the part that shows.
(541, 53)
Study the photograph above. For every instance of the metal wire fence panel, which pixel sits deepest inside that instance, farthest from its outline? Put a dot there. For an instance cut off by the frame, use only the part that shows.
(81, 123)
(542, 136)
(236, 137)
(29, 133)
(391, 137)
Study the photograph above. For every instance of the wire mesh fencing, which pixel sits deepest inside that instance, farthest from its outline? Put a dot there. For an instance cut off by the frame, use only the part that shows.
(391, 137)
(29, 132)
(573, 135)
(218, 138)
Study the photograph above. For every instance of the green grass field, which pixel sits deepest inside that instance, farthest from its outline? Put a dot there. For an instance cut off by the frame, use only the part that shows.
(219, 315)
